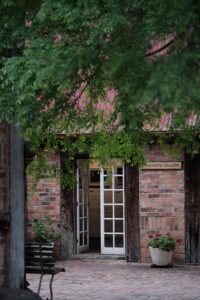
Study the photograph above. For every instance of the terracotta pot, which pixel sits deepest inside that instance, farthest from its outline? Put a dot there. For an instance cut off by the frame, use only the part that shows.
(159, 257)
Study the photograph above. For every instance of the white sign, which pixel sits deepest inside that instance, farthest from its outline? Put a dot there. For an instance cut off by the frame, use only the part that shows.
(159, 165)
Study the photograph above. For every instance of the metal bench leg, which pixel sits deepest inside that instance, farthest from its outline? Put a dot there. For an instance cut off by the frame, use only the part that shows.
(39, 286)
(50, 286)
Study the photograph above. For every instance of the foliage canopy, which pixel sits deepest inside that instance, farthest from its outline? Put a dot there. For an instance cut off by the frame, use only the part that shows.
(54, 53)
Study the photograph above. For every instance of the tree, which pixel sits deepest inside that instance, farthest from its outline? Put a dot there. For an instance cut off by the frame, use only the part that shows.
(60, 58)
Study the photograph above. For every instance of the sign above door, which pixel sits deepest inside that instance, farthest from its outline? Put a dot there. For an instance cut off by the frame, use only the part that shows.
(166, 165)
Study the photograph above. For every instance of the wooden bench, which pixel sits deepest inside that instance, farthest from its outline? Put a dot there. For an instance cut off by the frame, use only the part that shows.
(39, 259)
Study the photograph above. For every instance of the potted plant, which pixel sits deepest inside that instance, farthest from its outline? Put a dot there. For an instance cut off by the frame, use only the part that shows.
(161, 248)
(44, 231)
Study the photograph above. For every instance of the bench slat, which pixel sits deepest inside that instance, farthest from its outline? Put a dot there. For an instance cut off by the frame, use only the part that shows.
(39, 259)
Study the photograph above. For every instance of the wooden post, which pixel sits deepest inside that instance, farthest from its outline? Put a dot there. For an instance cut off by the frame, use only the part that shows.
(132, 213)
(16, 208)
(192, 209)
(67, 215)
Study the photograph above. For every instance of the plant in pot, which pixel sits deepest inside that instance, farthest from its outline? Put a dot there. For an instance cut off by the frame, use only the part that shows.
(161, 248)
(44, 231)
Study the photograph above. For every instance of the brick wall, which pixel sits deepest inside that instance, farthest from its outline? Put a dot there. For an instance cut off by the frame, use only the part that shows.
(162, 202)
(44, 201)
(161, 194)
(4, 198)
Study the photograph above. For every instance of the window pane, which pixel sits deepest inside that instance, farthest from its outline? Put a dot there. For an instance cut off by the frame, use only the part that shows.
(118, 197)
(85, 210)
(85, 238)
(107, 182)
(119, 171)
(95, 177)
(85, 225)
(80, 210)
(118, 182)
(119, 240)
(118, 211)
(108, 240)
(105, 172)
(81, 239)
(80, 196)
(80, 182)
(119, 226)
(108, 197)
(81, 224)
(108, 211)
(108, 225)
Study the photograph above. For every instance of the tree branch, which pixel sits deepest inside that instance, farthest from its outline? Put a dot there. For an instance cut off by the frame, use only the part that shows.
(160, 49)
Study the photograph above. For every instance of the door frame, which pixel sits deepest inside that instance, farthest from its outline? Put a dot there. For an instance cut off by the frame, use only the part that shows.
(112, 250)
(85, 218)
(77, 214)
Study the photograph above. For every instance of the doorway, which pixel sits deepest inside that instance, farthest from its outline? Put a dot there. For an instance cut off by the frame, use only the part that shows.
(100, 208)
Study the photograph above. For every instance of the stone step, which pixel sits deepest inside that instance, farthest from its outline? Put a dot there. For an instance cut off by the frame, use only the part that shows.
(97, 256)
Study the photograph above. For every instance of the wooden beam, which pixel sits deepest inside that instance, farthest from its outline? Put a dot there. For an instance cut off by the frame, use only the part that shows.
(16, 208)
(132, 213)
(192, 209)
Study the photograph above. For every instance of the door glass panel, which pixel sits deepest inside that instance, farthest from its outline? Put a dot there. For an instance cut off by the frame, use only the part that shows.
(108, 211)
(119, 241)
(119, 226)
(80, 182)
(85, 225)
(80, 196)
(118, 180)
(94, 177)
(112, 211)
(80, 210)
(85, 238)
(119, 170)
(118, 211)
(85, 210)
(81, 225)
(107, 182)
(108, 225)
(81, 239)
(118, 197)
(108, 242)
(82, 205)
(108, 197)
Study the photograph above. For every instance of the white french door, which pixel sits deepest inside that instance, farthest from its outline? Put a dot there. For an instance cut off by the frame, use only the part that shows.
(82, 206)
(112, 210)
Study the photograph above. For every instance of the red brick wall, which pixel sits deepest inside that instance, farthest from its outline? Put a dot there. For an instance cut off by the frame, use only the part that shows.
(162, 202)
(45, 201)
(4, 196)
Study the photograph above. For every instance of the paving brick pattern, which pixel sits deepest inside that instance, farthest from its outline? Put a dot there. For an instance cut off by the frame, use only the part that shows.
(119, 280)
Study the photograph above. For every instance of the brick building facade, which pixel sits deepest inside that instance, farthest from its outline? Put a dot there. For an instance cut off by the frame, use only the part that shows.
(156, 200)
(161, 205)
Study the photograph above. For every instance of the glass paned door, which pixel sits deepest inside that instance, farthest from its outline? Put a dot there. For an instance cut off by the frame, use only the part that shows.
(112, 211)
(82, 206)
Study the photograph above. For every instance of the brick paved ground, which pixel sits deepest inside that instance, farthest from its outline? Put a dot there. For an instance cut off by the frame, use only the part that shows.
(119, 280)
